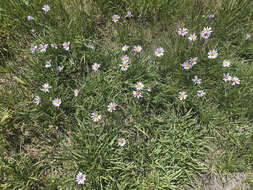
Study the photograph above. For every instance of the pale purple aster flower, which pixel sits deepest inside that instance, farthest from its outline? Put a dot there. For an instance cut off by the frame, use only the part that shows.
(139, 86)
(227, 77)
(125, 48)
(115, 18)
(205, 35)
(211, 16)
(43, 47)
(33, 49)
(212, 54)
(159, 52)
(80, 178)
(56, 102)
(235, 80)
(46, 87)
(48, 64)
(124, 66)
(125, 59)
(226, 63)
(182, 95)
(66, 45)
(248, 36)
(137, 49)
(60, 68)
(121, 142)
(182, 31)
(137, 94)
(32, 30)
(36, 100)
(129, 14)
(95, 116)
(76, 92)
(196, 80)
(111, 107)
(201, 93)
(192, 37)
(193, 60)
(54, 46)
(29, 18)
(90, 46)
(46, 8)
(95, 67)
(187, 65)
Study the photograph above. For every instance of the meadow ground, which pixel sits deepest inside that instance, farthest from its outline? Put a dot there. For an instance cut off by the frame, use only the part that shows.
(116, 94)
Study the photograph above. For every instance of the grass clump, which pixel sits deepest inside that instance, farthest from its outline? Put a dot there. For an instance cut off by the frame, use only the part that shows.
(182, 105)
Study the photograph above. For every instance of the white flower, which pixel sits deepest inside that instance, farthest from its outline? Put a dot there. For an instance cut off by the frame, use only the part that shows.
(36, 100)
(29, 18)
(48, 64)
(187, 65)
(115, 18)
(95, 67)
(76, 92)
(125, 59)
(182, 95)
(60, 68)
(139, 86)
(56, 102)
(212, 54)
(66, 45)
(205, 35)
(33, 49)
(149, 89)
(54, 46)
(248, 36)
(124, 66)
(80, 178)
(90, 46)
(192, 37)
(46, 87)
(137, 94)
(111, 107)
(137, 48)
(121, 142)
(201, 93)
(196, 80)
(193, 60)
(46, 8)
(32, 30)
(125, 48)
(96, 117)
(227, 77)
(159, 52)
(43, 47)
(207, 30)
(235, 80)
(226, 63)
(129, 14)
(182, 31)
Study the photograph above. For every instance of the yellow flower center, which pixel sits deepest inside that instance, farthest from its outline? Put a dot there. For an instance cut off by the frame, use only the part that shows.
(57, 102)
(182, 95)
(182, 31)
(124, 65)
(137, 93)
(212, 54)
(188, 64)
(121, 140)
(96, 115)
